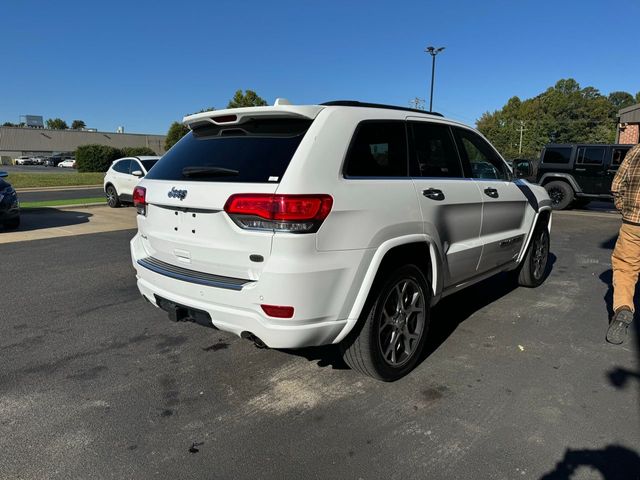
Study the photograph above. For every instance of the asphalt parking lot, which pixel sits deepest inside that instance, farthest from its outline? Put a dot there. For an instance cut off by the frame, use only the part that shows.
(96, 383)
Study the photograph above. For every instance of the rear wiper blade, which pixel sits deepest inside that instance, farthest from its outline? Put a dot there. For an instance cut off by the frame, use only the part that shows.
(209, 172)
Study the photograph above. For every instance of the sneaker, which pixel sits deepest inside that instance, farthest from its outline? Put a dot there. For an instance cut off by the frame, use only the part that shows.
(617, 331)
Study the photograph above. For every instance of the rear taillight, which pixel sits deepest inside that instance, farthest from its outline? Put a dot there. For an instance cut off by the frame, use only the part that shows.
(280, 213)
(277, 311)
(140, 200)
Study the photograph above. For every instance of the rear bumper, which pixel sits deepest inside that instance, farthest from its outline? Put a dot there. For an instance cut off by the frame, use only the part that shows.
(319, 298)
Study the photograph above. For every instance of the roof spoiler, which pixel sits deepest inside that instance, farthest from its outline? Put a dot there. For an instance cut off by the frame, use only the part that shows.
(235, 116)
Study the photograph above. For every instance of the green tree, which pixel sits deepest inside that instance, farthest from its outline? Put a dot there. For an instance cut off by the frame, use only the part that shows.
(9, 124)
(564, 113)
(57, 124)
(137, 151)
(248, 99)
(176, 131)
(78, 124)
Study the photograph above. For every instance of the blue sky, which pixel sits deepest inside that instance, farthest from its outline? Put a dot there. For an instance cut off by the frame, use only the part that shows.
(143, 64)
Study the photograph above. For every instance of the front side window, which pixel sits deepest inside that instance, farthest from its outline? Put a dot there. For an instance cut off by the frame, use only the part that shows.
(483, 161)
(134, 166)
(148, 164)
(433, 153)
(378, 149)
(618, 155)
(122, 166)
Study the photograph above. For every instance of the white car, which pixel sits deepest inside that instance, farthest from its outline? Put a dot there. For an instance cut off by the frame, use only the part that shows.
(341, 223)
(68, 163)
(24, 160)
(122, 177)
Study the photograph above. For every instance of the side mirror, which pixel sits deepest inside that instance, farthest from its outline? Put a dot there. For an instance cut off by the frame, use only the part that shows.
(522, 168)
(3, 174)
(137, 173)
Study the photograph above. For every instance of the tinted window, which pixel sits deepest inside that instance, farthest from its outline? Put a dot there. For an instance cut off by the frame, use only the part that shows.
(433, 152)
(557, 155)
(483, 160)
(258, 151)
(147, 164)
(378, 149)
(618, 155)
(591, 155)
(122, 166)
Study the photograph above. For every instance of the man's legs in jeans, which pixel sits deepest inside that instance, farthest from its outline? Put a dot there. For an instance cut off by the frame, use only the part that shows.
(625, 261)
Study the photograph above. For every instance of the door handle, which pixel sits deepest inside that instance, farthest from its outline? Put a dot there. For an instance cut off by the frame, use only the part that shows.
(433, 194)
(580, 169)
(491, 192)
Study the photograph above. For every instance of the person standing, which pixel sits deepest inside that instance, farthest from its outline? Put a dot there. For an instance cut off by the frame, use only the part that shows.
(625, 259)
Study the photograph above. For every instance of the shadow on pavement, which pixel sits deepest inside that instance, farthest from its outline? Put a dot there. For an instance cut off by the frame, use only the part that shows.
(613, 462)
(39, 218)
(610, 244)
(453, 310)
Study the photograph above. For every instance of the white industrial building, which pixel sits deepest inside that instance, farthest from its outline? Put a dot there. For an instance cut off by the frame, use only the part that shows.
(43, 142)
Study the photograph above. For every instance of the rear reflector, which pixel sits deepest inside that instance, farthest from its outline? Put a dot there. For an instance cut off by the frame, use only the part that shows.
(277, 311)
(288, 213)
(140, 200)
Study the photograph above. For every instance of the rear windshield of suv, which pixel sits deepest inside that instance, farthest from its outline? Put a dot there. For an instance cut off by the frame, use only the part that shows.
(258, 151)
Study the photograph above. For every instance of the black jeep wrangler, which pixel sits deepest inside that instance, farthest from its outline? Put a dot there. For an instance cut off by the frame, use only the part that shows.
(578, 173)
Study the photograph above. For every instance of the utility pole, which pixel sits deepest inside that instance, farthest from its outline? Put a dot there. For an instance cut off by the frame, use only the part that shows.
(433, 51)
(417, 103)
(521, 130)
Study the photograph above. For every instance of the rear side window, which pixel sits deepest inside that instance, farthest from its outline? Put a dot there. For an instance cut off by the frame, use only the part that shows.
(433, 153)
(258, 151)
(557, 155)
(591, 155)
(378, 149)
(122, 166)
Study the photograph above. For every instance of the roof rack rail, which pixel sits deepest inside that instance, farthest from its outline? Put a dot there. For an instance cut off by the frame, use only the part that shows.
(354, 103)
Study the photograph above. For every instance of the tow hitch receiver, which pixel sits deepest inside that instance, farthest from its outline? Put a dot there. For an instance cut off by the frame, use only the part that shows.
(182, 313)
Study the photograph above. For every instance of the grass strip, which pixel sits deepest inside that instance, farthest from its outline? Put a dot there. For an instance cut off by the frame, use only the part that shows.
(62, 203)
(26, 179)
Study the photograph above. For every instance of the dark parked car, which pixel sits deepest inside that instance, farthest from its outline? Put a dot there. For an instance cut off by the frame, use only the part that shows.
(575, 173)
(9, 206)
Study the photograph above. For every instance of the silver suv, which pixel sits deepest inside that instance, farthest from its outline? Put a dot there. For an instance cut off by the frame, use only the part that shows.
(341, 223)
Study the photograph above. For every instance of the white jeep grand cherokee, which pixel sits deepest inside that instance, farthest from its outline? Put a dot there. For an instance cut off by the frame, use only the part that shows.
(338, 223)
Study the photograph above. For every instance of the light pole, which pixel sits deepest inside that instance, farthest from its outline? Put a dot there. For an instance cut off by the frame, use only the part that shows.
(433, 51)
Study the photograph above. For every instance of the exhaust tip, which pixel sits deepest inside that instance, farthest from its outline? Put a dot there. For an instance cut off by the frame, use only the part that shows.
(256, 340)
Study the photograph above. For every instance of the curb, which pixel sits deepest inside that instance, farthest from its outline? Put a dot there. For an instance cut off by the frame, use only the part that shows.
(54, 189)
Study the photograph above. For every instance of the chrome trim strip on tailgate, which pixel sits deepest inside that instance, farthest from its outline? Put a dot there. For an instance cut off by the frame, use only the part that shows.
(186, 275)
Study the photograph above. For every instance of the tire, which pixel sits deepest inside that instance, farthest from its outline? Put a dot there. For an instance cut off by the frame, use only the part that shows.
(12, 224)
(561, 194)
(533, 270)
(113, 200)
(370, 348)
